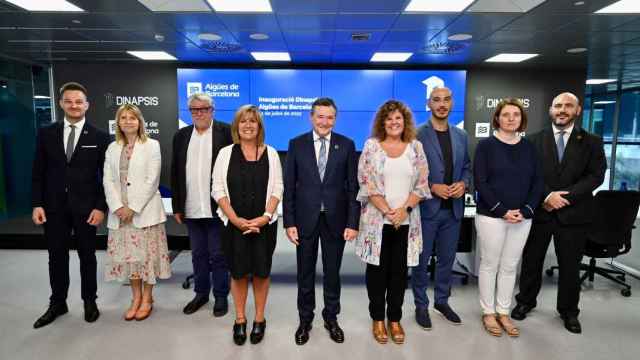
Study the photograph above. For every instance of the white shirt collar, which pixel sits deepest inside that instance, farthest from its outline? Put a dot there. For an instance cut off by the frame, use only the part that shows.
(316, 137)
(207, 132)
(79, 125)
(567, 130)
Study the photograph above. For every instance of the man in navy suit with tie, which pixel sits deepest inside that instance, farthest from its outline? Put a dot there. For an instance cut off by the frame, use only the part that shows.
(68, 197)
(449, 176)
(320, 188)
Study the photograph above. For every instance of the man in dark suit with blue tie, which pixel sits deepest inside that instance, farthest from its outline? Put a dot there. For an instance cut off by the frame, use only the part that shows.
(320, 188)
(574, 165)
(68, 197)
(449, 176)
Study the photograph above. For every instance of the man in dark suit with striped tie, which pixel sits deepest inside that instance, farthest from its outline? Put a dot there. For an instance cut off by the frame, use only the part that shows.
(320, 188)
(68, 197)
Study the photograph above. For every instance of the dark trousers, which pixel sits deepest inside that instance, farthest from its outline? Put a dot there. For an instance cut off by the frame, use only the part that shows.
(440, 233)
(209, 265)
(58, 232)
(307, 257)
(386, 283)
(569, 242)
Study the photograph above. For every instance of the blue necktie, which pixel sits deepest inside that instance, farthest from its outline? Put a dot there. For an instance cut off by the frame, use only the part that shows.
(322, 157)
(560, 145)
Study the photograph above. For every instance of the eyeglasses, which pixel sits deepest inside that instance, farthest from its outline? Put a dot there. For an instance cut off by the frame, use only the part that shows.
(201, 110)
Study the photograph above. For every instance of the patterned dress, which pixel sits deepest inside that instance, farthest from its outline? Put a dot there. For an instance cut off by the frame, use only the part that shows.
(136, 253)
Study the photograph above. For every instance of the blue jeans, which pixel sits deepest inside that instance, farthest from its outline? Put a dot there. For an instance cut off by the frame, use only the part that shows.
(443, 230)
(209, 265)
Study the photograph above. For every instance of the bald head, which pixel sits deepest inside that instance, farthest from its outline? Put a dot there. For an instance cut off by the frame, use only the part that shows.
(440, 103)
(567, 96)
(564, 110)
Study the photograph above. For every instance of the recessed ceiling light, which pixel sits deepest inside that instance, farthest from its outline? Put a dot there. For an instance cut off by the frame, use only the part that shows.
(49, 5)
(576, 50)
(621, 7)
(390, 56)
(604, 102)
(255, 6)
(176, 6)
(511, 58)
(578, 3)
(209, 37)
(437, 6)
(600, 81)
(259, 36)
(271, 56)
(76, 21)
(152, 55)
(460, 37)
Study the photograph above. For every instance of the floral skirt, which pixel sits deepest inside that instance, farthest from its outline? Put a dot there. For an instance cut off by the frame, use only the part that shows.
(134, 253)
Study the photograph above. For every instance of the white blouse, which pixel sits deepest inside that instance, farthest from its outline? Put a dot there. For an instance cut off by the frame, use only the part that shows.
(398, 173)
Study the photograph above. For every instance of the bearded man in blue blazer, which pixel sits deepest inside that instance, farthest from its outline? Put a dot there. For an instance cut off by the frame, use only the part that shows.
(449, 176)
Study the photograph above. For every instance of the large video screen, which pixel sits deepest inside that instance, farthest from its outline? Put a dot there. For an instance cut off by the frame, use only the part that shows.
(284, 96)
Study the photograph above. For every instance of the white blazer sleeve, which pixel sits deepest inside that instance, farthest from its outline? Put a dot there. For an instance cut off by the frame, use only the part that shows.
(219, 174)
(111, 180)
(278, 186)
(151, 180)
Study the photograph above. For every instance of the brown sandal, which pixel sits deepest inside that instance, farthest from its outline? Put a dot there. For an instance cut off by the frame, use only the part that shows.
(491, 325)
(144, 311)
(133, 309)
(508, 326)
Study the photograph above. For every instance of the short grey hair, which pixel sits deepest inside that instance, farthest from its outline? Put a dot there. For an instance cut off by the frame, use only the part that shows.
(201, 97)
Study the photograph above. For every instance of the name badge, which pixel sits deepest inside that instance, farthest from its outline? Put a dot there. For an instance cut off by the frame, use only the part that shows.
(89, 146)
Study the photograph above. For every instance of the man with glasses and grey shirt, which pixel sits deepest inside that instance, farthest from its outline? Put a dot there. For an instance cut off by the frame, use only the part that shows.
(195, 149)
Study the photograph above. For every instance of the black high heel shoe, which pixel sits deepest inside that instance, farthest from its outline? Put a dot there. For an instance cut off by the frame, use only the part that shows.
(240, 333)
(257, 333)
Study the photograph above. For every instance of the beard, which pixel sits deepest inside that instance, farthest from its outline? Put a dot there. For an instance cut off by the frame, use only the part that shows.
(562, 123)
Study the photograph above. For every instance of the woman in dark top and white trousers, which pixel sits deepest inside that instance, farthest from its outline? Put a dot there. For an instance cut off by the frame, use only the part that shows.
(509, 184)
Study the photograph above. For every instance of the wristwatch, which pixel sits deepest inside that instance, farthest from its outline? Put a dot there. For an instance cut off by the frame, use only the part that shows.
(409, 209)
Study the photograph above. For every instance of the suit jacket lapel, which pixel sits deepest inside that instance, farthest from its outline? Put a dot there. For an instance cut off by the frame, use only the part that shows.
(432, 140)
(60, 141)
(550, 149)
(310, 152)
(571, 147)
(334, 147)
(82, 140)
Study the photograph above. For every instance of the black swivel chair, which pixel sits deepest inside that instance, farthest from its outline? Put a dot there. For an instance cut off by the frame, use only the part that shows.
(609, 235)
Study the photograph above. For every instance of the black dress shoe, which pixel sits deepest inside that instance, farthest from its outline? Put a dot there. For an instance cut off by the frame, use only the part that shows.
(240, 333)
(220, 307)
(302, 334)
(50, 315)
(335, 332)
(195, 304)
(572, 324)
(257, 333)
(91, 312)
(520, 311)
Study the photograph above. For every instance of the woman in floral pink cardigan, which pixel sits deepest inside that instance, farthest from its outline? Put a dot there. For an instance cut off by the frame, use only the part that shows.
(392, 173)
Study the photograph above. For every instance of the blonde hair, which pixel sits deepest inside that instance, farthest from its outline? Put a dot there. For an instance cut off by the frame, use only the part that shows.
(142, 134)
(242, 111)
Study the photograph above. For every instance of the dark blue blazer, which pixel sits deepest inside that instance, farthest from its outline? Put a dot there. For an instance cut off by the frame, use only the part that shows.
(304, 191)
(461, 166)
(56, 183)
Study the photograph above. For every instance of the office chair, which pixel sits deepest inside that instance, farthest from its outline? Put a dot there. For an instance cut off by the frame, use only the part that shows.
(609, 235)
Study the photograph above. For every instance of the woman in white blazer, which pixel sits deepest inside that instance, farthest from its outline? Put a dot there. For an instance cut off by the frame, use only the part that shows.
(247, 185)
(137, 242)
